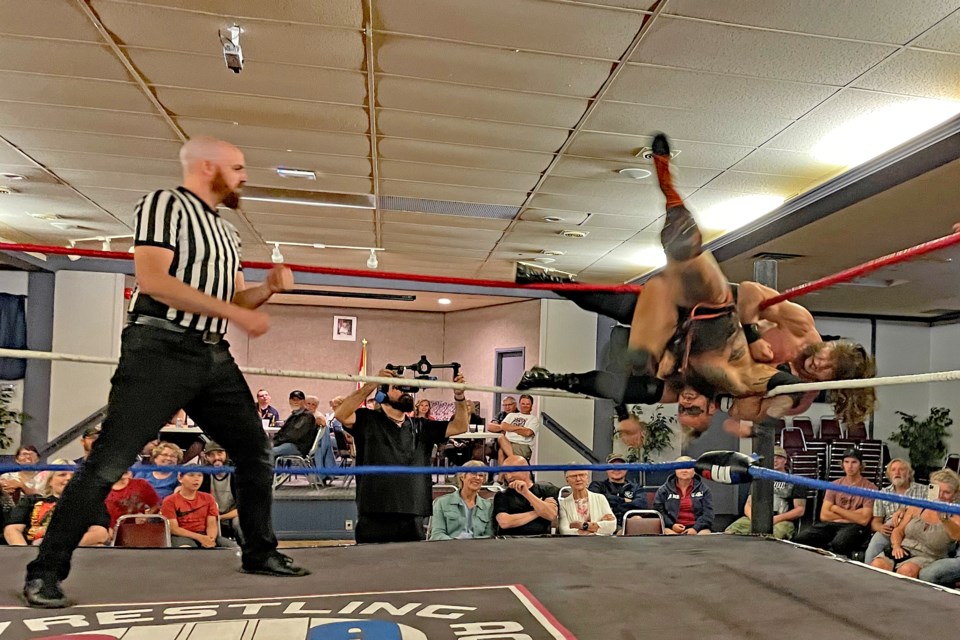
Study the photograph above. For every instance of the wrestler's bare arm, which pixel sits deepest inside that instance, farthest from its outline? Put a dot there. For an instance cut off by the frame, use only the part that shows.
(788, 316)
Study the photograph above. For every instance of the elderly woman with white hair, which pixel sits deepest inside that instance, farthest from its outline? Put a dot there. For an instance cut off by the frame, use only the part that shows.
(923, 535)
(464, 514)
(28, 521)
(584, 513)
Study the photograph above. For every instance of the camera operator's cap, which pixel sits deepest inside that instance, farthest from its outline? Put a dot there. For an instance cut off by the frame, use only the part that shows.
(299, 395)
(780, 451)
(212, 446)
(90, 432)
(853, 452)
(616, 457)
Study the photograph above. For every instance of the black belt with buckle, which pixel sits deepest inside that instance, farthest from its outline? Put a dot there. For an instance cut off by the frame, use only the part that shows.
(209, 337)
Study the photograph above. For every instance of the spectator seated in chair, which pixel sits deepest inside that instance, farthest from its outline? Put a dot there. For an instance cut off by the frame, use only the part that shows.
(519, 431)
(524, 508)
(584, 513)
(222, 486)
(90, 435)
(844, 518)
(28, 521)
(298, 433)
(621, 495)
(887, 515)
(17, 484)
(789, 504)
(193, 515)
(923, 535)
(129, 496)
(165, 454)
(463, 514)
(685, 503)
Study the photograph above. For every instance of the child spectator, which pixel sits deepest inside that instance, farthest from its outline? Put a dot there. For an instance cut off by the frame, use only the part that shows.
(131, 495)
(193, 515)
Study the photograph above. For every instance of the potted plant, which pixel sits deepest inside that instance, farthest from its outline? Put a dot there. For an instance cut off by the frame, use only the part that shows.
(7, 416)
(924, 438)
(657, 437)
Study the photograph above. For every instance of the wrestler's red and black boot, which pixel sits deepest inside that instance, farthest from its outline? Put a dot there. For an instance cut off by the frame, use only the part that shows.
(527, 274)
(680, 237)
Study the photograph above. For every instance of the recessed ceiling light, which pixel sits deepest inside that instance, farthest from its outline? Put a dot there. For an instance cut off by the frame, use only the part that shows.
(12, 176)
(572, 233)
(857, 141)
(737, 212)
(635, 172)
(305, 174)
(552, 219)
(443, 301)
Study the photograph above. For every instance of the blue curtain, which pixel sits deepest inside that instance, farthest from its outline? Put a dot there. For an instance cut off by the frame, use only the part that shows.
(13, 334)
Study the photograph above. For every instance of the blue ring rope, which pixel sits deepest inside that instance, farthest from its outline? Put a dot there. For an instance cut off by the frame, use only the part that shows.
(770, 474)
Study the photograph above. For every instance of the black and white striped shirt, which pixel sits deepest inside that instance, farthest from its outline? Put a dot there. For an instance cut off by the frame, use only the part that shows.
(206, 252)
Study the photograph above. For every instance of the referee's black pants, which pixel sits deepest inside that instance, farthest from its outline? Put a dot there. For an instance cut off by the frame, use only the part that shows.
(159, 373)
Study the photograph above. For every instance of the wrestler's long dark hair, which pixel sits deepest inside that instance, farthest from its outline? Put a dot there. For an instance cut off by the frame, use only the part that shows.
(852, 406)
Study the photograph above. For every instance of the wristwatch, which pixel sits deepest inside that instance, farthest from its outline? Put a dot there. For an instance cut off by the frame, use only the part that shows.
(585, 526)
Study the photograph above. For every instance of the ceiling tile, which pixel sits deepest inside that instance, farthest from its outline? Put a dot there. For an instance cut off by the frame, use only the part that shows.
(645, 204)
(329, 183)
(520, 24)
(322, 164)
(526, 243)
(58, 160)
(418, 172)
(402, 124)
(786, 186)
(606, 170)
(73, 92)
(312, 234)
(685, 124)
(336, 13)
(10, 156)
(416, 219)
(477, 102)
(833, 114)
(625, 148)
(450, 193)
(14, 114)
(763, 54)
(465, 64)
(172, 69)
(459, 156)
(75, 59)
(785, 163)
(292, 214)
(262, 41)
(943, 37)
(396, 245)
(679, 88)
(264, 112)
(916, 73)
(47, 20)
(116, 180)
(399, 230)
(623, 223)
(284, 139)
(541, 231)
(285, 229)
(620, 191)
(878, 21)
(55, 140)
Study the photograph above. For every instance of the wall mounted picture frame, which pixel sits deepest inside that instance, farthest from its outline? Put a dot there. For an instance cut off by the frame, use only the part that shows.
(345, 328)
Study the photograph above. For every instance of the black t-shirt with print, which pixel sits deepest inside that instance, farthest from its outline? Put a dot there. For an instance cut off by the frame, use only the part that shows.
(380, 441)
(511, 502)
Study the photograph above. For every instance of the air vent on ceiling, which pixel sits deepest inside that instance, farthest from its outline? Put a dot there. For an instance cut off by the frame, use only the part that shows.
(570, 233)
(773, 255)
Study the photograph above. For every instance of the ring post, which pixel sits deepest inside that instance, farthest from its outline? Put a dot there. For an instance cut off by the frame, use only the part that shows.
(761, 492)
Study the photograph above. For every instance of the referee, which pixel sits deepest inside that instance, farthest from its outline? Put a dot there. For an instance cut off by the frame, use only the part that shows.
(173, 355)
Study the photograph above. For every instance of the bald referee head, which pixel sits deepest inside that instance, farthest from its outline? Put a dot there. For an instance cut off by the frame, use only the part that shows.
(214, 170)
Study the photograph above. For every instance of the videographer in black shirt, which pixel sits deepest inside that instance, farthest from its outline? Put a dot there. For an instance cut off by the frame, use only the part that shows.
(392, 507)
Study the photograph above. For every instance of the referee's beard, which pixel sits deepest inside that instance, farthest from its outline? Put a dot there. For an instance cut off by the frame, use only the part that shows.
(228, 197)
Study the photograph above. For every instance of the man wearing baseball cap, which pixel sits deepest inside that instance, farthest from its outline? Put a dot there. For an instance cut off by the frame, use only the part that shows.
(622, 495)
(789, 504)
(90, 435)
(844, 519)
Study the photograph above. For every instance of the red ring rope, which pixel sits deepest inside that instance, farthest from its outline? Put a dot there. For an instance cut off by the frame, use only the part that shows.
(359, 273)
(863, 269)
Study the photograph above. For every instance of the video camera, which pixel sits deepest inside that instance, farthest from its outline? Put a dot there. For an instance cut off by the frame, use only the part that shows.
(421, 369)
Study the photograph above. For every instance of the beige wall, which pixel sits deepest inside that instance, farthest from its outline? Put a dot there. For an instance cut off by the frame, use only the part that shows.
(473, 336)
(301, 338)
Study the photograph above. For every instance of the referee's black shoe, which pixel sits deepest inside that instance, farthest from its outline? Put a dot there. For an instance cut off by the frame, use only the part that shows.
(276, 564)
(43, 594)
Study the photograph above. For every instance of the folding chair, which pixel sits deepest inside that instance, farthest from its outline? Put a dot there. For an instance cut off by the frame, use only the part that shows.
(805, 424)
(490, 491)
(642, 522)
(830, 429)
(347, 453)
(953, 462)
(141, 530)
(792, 440)
(857, 432)
(300, 462)
(438, 491)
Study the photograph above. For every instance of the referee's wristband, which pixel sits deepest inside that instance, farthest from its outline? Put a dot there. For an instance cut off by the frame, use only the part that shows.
(752, 332)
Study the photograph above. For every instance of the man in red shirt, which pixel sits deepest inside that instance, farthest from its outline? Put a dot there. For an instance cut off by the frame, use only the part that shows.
(193, 515)
(131, 495)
